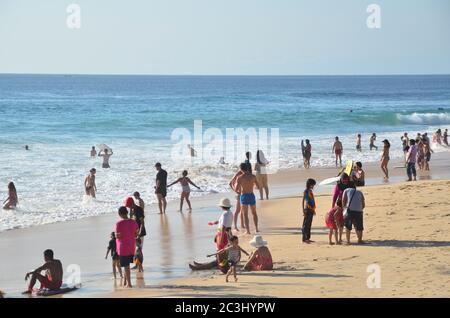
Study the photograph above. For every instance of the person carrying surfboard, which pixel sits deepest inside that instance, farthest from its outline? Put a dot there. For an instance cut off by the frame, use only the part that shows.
(338, 149)
(53, 276)
(106, 155)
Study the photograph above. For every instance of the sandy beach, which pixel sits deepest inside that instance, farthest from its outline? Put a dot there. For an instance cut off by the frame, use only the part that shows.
(406, 226)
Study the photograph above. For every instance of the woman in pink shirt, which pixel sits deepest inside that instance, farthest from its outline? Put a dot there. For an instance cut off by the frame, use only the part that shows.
(126, 233)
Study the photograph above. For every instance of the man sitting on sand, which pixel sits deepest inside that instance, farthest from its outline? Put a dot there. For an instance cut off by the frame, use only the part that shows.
(337, 150)
(245, 184)
(53, 275)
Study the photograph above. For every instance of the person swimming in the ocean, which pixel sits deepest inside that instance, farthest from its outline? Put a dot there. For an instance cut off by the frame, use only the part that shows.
(185, 189)
(106, 155)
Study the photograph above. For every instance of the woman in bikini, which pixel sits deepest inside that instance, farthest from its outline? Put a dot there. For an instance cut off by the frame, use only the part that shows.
(185, 190)
(385, 159)
(12, 200)
(89, 183)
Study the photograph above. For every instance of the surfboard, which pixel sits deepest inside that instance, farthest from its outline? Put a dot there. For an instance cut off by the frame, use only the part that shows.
(46, 292)
(399, 167)
(329, 180)
(349, 167)
(103, 147)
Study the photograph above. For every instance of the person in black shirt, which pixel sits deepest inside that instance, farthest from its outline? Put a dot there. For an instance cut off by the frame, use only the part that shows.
(161, 188)
(114, 256)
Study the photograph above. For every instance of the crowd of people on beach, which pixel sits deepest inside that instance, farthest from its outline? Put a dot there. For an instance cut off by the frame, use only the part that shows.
(125, 246)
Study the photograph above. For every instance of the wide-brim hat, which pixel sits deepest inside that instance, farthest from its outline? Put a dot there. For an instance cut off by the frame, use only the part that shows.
(225, 203)
(258, 241)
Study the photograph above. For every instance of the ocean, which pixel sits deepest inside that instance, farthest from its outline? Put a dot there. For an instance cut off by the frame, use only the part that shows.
(61, 117)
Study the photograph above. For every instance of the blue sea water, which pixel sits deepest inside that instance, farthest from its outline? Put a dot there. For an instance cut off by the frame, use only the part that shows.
(61, 116)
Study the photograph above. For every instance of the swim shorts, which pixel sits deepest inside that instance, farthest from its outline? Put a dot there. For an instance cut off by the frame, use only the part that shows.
(354, 218)
(248, 199)
(162, 192)
(105, 165)
(126, 260)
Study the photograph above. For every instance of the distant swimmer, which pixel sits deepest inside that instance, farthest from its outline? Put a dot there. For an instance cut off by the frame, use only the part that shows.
(222, 161)
(192, 151)
(372, 142)
(338, 149)
(93, 152)
(89, 183)
(106, 155)
(12, 200)
(445, 137)
(185, 189)
(26, 147)
(53, 274)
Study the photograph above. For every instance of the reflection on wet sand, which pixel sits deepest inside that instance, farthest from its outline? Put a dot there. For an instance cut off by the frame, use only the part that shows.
(166, 245)
(188, 233)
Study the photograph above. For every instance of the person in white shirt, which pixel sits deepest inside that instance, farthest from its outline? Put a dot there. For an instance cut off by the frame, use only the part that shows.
(354, 203)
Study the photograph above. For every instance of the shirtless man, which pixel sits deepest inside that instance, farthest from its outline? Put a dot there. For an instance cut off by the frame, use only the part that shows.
(233, 186)
(161, 188)
(93, 152)
(244, 186)
(106, 155)
(53, 275)
(372, 142)
(89, 183)
(337, 150)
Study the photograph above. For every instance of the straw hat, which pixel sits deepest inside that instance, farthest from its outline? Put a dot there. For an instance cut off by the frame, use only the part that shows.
(225, 203)
(258, 241)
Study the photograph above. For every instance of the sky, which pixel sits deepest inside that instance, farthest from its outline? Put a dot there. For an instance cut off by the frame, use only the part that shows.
(225, 37)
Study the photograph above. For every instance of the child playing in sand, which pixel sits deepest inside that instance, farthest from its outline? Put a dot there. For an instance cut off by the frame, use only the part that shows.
(114, 256)
(309, 210)
(234, 256)
(185, 189)
(139, 256)
(12, 200)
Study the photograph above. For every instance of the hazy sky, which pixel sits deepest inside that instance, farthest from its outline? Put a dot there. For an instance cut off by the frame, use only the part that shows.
(225, 37)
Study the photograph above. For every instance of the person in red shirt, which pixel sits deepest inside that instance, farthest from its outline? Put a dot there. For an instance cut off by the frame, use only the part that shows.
(261, 259)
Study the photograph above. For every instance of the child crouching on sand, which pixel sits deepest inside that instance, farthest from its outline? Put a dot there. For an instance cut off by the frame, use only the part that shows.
(112, 248)
(234, 256)
(309, 210)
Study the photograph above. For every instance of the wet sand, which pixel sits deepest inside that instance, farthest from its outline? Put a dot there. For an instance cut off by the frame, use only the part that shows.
(176, 239)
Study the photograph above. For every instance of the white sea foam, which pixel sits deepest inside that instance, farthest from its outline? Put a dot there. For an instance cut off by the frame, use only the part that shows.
(424, 118)
(49, 178)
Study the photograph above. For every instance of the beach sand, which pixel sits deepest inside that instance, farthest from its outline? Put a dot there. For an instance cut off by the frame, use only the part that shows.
(406, 224)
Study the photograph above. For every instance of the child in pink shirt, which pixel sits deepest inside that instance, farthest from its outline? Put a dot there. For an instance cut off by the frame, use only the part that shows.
(126, 233)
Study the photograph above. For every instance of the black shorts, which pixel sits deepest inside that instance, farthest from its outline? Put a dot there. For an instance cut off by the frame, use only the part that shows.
(162, 192)
(232, 263)
(354, 218)
(126, 260)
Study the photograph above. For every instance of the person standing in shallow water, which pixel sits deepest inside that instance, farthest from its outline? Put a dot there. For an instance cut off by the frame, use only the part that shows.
(185, 190)
(93, 152)
(372, 142)
(12, 200)
(161, 188)
(338, 150)
(411, 158)
(89, 183)
(385, 159)
(106, 155)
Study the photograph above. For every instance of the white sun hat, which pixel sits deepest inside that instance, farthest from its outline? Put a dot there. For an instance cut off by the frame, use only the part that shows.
(258, 241)
(225, 203)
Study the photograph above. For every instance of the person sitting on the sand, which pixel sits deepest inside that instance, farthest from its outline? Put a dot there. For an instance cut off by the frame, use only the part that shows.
(12, 200)
(234, 256)
(53, 275)
(261, 259)
(221, 239)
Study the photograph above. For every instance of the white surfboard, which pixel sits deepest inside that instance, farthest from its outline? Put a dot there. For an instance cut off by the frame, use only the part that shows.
(103, 147)
(330, 180)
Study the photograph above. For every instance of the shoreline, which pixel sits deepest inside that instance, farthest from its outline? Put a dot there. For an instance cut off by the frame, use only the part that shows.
(285, 185)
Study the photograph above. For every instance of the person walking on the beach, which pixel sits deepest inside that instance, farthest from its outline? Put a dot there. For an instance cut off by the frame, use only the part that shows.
(307, 154)
(245, 184)
(385, 159)
(445, 137)
(337, 150)
(237, 211)
(261, 174)
(53, 274)
(12, 200)
(411, 158)
(112, 249)
(372, 142)
(126, 232)
(427, 151)
(106, 155)
(161, 188)
(185, 189)
(93, 152)
(234, 256)
(358, 143)
(309, 210)
(354, 203)
(89, 183)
